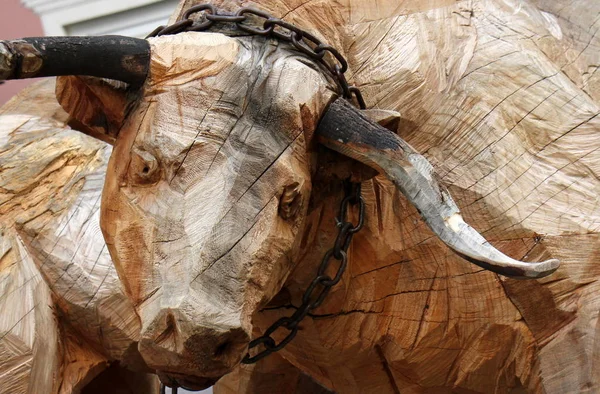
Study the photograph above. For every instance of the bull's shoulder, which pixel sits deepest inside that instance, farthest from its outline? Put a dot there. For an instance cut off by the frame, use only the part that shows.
(37, 100)
(29, 332)
(55, 270)
(44, 165)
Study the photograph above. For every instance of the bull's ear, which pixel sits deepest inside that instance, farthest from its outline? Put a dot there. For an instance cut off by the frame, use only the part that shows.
(96, 107)
(344, 129)
(383, 117)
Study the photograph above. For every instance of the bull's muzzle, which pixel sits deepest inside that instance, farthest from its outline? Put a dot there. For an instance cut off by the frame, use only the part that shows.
(191, 353)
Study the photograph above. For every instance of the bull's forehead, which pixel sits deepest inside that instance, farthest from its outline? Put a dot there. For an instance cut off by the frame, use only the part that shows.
(187, 81)
(180, 59)
(207, 88)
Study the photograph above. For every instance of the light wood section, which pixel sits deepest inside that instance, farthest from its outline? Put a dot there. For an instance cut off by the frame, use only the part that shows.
(64, 316)
(191, 205)
(500, 96)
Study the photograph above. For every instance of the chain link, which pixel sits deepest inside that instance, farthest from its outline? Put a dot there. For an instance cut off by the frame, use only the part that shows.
(249, 19)
(319, 288)
(336, 64)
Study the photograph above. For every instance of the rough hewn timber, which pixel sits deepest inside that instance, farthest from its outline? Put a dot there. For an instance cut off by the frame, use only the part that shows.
(501, 97)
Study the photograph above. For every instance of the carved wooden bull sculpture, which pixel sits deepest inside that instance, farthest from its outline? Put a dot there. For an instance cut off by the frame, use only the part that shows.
(219, 200)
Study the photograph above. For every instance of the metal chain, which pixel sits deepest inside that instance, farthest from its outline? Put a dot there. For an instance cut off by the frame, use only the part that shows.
(319, 288)
(337, 65)
(302, 40)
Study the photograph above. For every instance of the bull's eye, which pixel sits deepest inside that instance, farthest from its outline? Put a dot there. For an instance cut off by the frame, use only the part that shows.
(289, 204)
(144, 168)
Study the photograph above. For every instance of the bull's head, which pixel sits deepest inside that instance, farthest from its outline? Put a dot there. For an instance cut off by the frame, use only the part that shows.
(209, 181)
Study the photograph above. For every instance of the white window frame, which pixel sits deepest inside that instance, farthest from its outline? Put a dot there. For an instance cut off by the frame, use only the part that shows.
(57, 15)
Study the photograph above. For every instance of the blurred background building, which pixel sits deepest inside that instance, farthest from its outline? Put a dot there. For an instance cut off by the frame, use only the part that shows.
(31, 18)
(16, 21)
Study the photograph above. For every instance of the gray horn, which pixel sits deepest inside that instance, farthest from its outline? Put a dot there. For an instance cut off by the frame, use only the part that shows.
(344, 129)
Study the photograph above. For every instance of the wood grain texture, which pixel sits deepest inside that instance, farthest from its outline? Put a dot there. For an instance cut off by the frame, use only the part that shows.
(273, 375)
(500, 96)
(38, 100)
(497, 95)
(191, 205)
(65, 317)
(97, 107)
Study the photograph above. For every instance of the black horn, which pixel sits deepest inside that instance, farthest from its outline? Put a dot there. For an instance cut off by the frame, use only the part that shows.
(120, 58)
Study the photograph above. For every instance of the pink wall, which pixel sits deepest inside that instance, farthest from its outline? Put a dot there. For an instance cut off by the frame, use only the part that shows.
(16, 21)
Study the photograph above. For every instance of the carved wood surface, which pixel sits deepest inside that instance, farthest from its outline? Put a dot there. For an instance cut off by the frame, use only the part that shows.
(64, 315)
(501, 96)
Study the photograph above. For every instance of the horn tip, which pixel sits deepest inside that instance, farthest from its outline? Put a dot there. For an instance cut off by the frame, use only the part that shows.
(7, 61)
(542, 269)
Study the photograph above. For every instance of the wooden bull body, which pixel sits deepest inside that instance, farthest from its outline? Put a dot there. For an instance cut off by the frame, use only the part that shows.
(502, 98)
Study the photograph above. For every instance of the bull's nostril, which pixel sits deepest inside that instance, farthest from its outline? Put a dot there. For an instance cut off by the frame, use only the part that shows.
(222, 349)
(171, 329)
